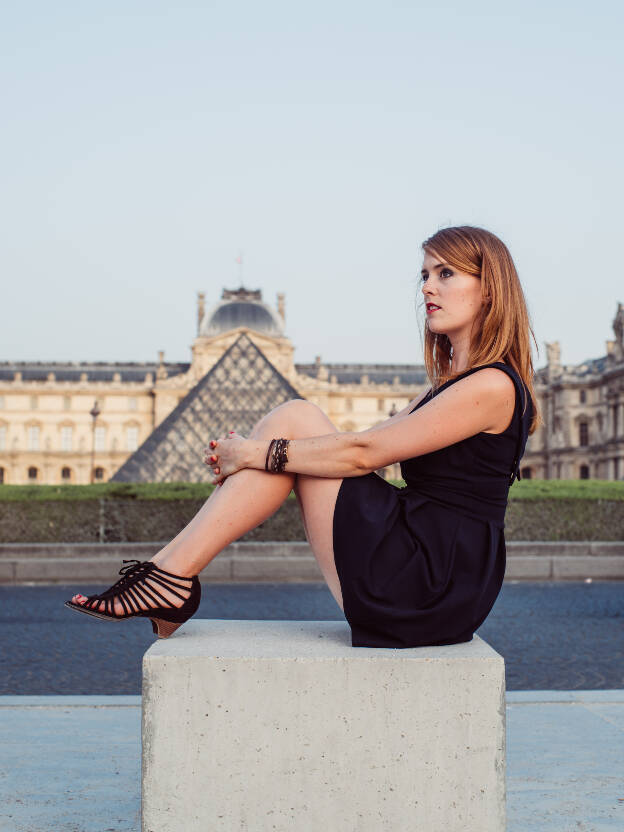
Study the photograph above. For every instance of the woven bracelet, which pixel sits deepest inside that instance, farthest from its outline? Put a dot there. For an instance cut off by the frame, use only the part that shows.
(280, 456)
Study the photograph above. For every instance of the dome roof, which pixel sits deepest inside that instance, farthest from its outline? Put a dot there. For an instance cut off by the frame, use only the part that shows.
(241, 308)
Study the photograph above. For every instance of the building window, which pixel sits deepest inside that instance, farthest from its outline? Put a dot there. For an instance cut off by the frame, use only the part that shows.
(583, 433)
(66, 438)
(33, 438)
(32, 474)
(66, 474)
(34, 403)
(526, 473)
(582, 396)
(132, 438)
(1, 475)
(584, 472)
(349, 404)
(616, 468)
(66, 402)
(132, 403)
(616, 413)
(100, 438)
(381, 405)
(556, 424)
(98, 474)
(600, 421)
(3, 432)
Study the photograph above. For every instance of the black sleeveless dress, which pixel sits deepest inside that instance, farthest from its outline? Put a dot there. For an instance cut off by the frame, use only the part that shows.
(424, 564)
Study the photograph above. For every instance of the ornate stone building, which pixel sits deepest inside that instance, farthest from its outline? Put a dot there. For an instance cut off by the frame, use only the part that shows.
(583, 411)
(48, 435)
(151, 420)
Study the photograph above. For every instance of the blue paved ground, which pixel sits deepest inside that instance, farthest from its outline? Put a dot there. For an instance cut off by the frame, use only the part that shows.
(553, 636)
(72, 764)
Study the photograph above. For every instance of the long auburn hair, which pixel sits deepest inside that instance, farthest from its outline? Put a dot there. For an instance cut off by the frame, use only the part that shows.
(501, 329)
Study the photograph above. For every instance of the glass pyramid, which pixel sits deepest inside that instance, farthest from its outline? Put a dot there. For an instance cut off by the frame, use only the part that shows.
(233, 395)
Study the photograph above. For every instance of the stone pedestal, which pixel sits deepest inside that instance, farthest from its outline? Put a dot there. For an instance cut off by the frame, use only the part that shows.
(282, 725)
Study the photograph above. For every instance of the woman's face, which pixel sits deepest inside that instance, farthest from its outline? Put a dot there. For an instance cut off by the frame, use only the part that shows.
(456, 294)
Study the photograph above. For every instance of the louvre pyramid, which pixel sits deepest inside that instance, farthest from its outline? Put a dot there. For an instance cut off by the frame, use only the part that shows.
(237, 391)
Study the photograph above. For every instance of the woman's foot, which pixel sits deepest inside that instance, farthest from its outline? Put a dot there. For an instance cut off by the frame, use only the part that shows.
(149, 592)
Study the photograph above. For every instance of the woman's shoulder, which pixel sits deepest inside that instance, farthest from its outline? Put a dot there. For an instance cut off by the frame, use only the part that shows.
(497, 378)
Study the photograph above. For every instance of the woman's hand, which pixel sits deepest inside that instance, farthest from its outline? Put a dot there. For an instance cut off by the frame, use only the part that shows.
(225, 456)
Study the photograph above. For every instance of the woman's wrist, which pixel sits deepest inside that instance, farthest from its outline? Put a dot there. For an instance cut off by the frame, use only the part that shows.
(256, 452)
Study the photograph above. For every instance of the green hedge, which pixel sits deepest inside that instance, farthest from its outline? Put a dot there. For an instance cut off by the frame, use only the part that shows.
(120, 512)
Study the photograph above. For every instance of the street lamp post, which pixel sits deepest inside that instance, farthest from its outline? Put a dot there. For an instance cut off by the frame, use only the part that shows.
(95, 412)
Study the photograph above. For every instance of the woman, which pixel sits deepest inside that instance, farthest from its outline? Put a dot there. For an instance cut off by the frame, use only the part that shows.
(409, 567)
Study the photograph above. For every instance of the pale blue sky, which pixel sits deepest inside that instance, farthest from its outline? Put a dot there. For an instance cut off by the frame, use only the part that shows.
(145, 143)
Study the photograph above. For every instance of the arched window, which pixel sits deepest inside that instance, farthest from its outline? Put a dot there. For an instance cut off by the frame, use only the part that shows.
(526, 473)
(66, 474)
(98, 474)
(32, 474)
(583, 433)
(584, 472)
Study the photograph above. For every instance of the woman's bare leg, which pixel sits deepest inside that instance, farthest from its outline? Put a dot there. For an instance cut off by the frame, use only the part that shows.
(249, 497)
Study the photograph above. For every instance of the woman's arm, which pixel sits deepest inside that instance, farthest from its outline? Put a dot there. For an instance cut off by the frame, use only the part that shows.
(405, 411)
(469, 406)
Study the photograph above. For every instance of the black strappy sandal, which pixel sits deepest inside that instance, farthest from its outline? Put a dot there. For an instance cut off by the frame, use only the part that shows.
(139, 584)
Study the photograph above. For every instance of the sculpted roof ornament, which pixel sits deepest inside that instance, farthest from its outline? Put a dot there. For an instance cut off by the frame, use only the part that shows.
(241, 308)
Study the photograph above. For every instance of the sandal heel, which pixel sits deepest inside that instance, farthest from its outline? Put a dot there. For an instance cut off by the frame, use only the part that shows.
(164, 629)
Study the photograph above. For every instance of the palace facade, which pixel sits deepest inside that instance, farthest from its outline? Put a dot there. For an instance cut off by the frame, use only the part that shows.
(81, 422)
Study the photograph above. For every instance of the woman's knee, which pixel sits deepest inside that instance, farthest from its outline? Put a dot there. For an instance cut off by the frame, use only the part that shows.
(303, 414)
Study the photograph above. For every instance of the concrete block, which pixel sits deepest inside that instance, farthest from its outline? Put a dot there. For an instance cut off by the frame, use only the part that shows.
(265, 568)
(291, 549)
(599, 567)
(7, 571)
(613, 548)
(283, 725)
(219, 569)
(529, 567)
(68, 570)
